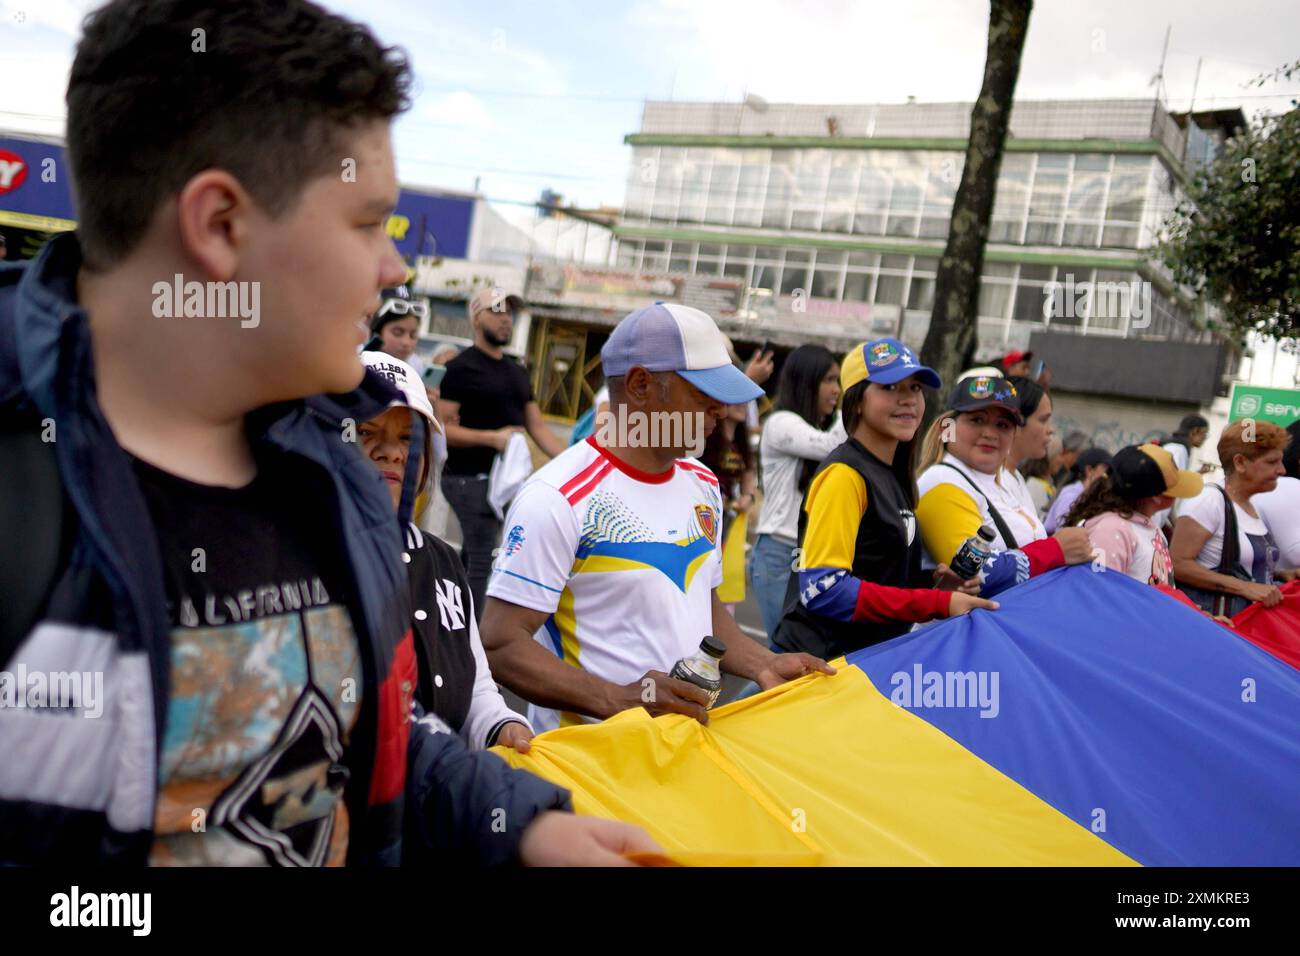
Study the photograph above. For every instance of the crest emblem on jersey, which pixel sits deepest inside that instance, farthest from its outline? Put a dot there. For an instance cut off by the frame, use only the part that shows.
(882, 353)
(514, 539)
(981, 387)
(708, 519)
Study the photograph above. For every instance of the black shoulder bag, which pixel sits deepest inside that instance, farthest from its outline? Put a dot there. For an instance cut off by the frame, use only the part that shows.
(1221, 603)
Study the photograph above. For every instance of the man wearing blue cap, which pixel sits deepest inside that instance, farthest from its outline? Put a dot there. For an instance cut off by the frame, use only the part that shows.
(613, 550)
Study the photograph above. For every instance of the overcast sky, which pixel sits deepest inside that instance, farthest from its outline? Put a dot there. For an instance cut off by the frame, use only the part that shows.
(525, 95)
(520, 96)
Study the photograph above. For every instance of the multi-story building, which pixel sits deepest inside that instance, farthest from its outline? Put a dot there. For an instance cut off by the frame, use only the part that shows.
(833, 219)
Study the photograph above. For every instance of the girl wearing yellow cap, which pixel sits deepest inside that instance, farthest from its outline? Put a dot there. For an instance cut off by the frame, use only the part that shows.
(859, 579)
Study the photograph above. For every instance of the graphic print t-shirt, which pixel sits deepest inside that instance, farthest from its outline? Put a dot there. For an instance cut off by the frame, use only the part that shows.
(265, 675)
(624, 562)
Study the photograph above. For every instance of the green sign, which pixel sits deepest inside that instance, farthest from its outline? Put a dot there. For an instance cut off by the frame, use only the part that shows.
(1278, 405)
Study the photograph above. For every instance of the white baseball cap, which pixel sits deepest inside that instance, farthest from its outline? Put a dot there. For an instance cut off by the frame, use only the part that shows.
(402, 377)
(677, 338)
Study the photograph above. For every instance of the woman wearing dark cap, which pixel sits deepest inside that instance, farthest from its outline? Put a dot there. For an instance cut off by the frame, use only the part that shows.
(965, 486)
(860, 579)
(1117, 508)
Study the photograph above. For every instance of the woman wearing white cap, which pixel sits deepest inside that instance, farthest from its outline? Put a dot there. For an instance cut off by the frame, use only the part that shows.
(456, 684)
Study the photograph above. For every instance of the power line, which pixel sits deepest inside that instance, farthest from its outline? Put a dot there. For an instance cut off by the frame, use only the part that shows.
(513, 94)
(530, 174)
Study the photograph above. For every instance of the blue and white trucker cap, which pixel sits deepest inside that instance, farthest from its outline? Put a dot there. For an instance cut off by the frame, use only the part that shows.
(677, 338)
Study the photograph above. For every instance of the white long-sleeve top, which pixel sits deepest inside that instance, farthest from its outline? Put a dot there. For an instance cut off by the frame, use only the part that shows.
(787, 442)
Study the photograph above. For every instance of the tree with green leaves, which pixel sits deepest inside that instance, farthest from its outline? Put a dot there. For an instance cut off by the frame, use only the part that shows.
(1235, 240)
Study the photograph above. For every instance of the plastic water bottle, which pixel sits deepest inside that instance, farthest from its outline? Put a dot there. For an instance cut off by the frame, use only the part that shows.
(702, 669)
(970, 557)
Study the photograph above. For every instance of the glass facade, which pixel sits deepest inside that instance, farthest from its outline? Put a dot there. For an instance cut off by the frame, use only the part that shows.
(1077, 203)
(1015, 298)
(1077, 200)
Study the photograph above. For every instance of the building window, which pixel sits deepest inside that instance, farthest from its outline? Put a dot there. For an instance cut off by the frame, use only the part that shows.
(767, 267)
(873, 194)
(1029, 293)
(920, 295)
(1086, 206)
(668, 185)
(722, 188)
(629, 254)
(682, 257)
(996, 284)
(940, 190)
(859, 275)
(655, 258)
(905, 197)
(841, 190)
(828, 274)
(1011, 203)
(695, 186)
(1068, 299)
(780, 189)
(1128, 187)
(751, 187)
(738, 262)
(1047, 199)
(892, 285)
(794, 275)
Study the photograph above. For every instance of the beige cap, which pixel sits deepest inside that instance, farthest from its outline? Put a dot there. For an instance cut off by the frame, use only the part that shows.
(494, 298)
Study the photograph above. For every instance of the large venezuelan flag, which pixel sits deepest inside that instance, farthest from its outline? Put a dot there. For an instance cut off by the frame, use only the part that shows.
(1089, 721)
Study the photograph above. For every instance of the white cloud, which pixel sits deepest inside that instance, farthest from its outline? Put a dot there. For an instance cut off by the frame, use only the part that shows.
(459, 109)
(62, 16)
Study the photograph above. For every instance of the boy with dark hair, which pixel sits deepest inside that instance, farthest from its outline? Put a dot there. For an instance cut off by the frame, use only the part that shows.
(226, 561)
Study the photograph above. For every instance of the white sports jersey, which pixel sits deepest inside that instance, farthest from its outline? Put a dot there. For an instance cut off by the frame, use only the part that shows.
(625, 563)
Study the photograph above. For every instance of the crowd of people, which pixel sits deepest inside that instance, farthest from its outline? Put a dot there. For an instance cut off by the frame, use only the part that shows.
(300, 672)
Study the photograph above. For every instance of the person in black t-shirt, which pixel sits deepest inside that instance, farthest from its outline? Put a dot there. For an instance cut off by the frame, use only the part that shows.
(233, 569)
(485, 397)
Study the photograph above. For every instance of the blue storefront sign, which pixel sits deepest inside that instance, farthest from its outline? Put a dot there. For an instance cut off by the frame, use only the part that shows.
(35, 186)
(431, 224)
(36, 194)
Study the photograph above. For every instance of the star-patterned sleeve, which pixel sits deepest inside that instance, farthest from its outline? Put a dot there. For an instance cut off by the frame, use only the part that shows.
(837, 500)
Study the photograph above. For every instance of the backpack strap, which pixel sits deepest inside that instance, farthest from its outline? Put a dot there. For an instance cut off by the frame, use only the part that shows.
(994, 514)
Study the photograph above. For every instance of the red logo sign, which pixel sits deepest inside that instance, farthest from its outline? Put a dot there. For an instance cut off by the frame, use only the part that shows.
(13, 171)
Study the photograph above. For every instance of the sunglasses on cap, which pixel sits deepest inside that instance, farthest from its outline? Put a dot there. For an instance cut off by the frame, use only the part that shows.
(417, 307)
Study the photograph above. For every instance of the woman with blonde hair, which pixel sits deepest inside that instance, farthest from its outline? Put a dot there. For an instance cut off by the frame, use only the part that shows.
(965, 486)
